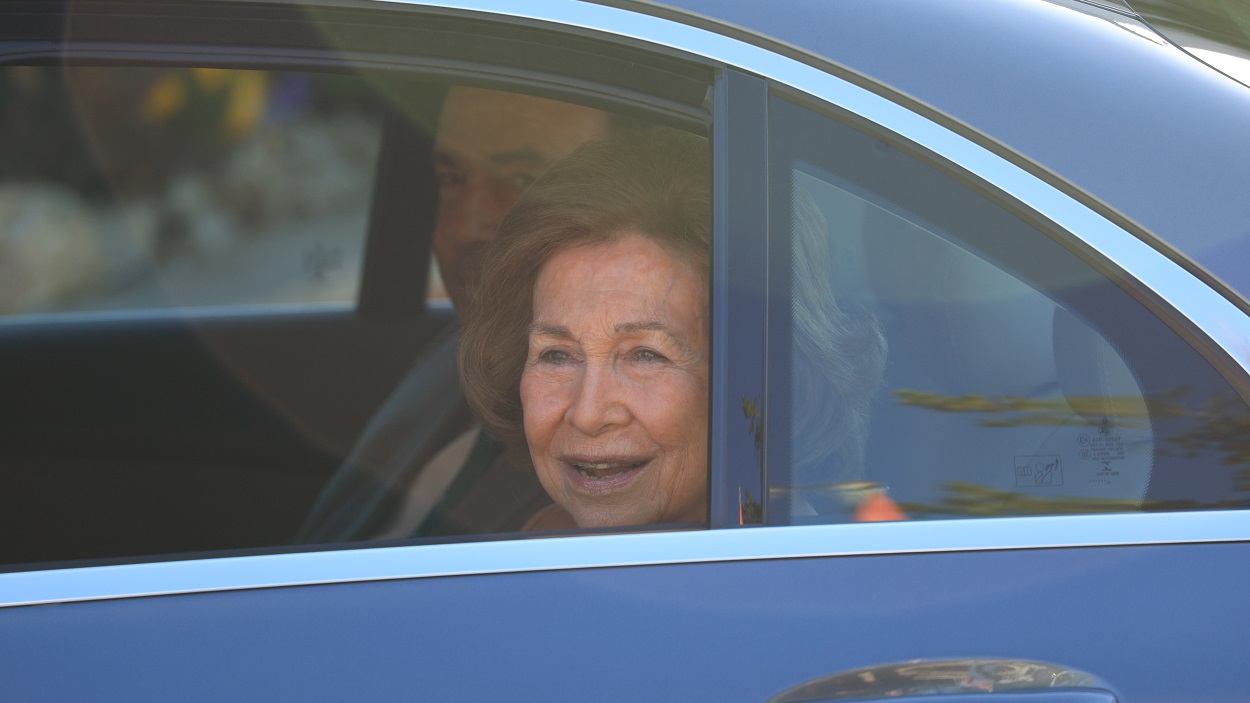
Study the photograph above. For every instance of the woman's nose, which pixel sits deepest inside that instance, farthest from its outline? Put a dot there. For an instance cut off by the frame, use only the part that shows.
(598, 402)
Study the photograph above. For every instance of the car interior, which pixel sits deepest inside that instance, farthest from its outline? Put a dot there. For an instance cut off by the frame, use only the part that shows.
(150, 409)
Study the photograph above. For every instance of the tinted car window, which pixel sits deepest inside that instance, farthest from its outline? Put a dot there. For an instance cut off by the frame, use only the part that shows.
(228, 188)
(1019, 379)
(125, 187)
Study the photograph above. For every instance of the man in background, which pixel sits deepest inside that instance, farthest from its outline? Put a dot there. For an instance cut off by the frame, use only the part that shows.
(422, 466)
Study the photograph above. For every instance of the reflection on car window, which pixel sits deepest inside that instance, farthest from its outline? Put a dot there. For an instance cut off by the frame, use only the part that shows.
(1019, 381)
(138, 188)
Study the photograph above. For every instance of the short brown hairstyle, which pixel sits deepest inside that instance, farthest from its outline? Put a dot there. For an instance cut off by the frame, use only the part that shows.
(655, 183)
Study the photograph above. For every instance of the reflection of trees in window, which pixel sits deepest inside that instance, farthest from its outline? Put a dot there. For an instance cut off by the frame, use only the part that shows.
(964, 499)
(1015, 411)
(1225, 429)
(1220, 426)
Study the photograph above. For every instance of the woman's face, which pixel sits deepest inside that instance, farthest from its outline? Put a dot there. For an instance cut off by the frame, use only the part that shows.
(614, 389)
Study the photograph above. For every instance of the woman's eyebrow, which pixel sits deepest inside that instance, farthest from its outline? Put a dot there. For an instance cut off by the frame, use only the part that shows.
(653, 326)
(645, 326)
(545, 330)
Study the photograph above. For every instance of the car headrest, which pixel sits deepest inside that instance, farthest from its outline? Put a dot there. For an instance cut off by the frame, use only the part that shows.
(973, 328)
(1096, 382)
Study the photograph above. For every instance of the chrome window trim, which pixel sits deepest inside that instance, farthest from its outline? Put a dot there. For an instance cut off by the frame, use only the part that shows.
(619, 550)
(1209, 311)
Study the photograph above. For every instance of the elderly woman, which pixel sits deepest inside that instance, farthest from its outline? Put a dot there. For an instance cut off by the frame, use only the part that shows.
(585, 350)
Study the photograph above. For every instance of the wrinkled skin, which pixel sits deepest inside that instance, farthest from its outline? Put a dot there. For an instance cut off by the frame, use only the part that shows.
(616, 384)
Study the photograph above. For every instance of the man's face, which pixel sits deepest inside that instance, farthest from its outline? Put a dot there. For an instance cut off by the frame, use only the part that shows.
(491, 145)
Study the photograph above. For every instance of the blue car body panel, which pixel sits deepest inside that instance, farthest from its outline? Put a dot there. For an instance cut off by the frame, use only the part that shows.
(1152, 621)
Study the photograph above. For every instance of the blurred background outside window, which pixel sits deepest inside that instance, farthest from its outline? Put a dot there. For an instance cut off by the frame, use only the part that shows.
(138, 188)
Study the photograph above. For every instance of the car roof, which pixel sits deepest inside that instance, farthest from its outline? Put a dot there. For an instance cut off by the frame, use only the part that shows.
(1085, 90)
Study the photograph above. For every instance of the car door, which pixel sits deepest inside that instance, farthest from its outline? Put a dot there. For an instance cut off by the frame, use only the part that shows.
(1052, 403)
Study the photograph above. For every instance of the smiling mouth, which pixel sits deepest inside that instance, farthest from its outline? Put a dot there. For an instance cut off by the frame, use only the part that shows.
(605, 470)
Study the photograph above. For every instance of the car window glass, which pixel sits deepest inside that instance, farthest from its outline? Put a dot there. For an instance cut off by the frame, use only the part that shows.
(492, 150)
(944, 353)
(333, 428)
(133, 188)
(215, 335)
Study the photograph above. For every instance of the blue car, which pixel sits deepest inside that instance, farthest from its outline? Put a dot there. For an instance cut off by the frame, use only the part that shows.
(228, 340)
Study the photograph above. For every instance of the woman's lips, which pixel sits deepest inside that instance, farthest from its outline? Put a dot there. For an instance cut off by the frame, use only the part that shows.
(605, 469)
(601, 474)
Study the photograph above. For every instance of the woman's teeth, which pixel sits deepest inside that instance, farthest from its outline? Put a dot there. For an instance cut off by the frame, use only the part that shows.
(598, 472)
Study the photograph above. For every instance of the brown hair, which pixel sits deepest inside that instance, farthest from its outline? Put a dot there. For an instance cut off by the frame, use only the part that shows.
(655, 183)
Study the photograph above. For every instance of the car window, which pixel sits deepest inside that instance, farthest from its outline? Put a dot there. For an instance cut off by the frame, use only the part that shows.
(143, 188)
(136, 188)
(945, 352)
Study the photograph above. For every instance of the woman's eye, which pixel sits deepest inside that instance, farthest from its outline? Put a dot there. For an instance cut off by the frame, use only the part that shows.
(648, 356)
(555, 356)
